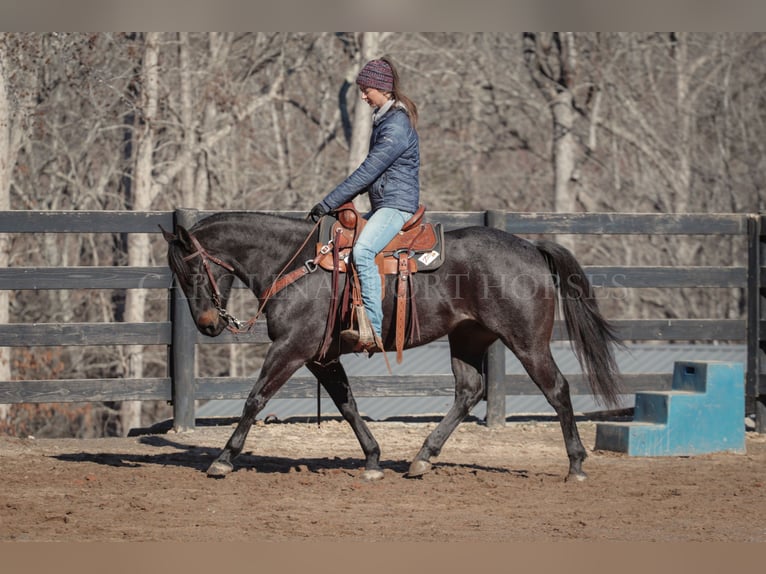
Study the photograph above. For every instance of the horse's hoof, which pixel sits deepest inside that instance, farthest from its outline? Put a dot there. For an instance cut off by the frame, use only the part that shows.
(372, 475)
(219, 469)
(576, 476)
(418, 468)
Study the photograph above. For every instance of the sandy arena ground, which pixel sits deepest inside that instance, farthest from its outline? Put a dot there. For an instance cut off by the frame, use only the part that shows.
(296, 481)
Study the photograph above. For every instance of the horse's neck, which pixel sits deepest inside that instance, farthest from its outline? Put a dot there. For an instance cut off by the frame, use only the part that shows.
(262, 245)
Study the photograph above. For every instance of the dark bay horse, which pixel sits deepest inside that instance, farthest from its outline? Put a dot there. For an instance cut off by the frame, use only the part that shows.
(493, 285)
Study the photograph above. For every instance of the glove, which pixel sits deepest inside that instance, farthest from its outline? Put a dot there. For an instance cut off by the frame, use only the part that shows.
(317, 212)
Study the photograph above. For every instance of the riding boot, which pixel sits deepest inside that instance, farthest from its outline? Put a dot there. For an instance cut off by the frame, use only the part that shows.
(364, 335)
(365, 339)
(357, 346)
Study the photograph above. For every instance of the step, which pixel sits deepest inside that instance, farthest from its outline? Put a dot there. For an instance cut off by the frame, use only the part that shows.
(633, 438)
(703, 413)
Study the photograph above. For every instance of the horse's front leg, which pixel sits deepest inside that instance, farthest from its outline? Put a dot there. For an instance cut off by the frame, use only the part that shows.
(332, 377)
(278, 367)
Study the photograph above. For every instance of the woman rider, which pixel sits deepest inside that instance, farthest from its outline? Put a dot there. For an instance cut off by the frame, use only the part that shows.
(390, 175)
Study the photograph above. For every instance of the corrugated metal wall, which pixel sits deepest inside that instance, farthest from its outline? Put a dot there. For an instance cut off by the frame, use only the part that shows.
(434, 359)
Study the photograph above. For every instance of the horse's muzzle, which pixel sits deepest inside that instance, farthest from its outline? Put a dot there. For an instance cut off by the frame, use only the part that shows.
(211, 323)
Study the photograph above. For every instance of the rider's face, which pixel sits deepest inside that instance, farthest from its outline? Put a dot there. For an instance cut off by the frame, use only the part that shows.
(374, 97)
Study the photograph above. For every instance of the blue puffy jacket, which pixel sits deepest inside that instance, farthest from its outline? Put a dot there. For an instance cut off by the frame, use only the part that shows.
(390, 172)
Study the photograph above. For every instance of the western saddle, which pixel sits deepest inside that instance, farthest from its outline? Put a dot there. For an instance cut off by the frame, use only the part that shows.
(418, 247)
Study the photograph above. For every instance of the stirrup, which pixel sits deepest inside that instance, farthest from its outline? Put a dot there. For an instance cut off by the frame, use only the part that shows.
(350, 336)
(365, 333)
(361, 344)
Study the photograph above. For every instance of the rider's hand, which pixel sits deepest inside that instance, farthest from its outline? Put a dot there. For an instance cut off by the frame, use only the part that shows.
(317, 212)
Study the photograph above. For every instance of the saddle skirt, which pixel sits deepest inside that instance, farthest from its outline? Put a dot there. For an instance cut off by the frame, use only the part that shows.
(422, 241)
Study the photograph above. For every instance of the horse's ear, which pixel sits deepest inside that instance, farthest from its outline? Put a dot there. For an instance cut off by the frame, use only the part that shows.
(184, 237)
(167, 235)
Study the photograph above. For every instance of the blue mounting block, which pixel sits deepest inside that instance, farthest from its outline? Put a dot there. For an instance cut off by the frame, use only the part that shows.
(704, 412)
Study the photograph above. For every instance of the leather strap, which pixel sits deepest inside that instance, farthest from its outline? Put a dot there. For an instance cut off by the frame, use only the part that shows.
(334, 298)
(401, 302)
(284, 281)
(295, 274)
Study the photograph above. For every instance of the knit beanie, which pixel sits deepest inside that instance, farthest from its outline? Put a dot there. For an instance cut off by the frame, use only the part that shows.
(376, 74)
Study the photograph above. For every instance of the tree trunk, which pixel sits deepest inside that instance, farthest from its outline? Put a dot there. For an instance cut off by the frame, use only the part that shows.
(360, 135)
(138, 243)
(552, 63)
(684, 116)
(13, 109)
(564, 151)
(369, 45)
(187, 120)
(6, 167)
(280, 125)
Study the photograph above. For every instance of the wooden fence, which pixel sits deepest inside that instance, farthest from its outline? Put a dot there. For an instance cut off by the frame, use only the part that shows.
(182, 387)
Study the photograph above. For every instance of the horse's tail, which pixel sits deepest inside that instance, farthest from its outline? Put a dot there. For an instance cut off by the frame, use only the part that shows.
(591, 336)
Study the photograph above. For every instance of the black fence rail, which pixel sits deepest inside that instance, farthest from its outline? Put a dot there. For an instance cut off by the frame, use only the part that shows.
(182, 387)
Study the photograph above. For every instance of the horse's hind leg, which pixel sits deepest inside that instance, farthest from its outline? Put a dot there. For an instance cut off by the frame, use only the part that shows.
(542, 369)
(467, 347)
(333, 378)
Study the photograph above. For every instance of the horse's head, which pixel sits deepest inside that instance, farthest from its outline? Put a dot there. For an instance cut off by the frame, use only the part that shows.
(205, 279)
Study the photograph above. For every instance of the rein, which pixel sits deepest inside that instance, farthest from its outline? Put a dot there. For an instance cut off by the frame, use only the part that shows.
(280, 282)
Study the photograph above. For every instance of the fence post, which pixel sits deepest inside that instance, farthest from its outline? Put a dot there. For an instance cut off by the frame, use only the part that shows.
(494, 365)
(755, 385)
(183, 345)
(760, 403)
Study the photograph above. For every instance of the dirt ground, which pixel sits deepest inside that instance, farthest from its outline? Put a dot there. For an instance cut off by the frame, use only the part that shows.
(296, 481)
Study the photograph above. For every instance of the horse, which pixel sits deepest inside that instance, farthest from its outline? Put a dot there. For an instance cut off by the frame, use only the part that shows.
(492, 285)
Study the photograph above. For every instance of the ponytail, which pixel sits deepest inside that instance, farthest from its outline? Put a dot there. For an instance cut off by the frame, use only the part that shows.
(399, 96)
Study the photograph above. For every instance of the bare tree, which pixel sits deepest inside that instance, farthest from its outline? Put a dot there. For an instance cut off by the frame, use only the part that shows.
(369, 48)
(7, 160)
(15, 108)
(552, 63)
(141, 200)
(666, 99)
(188, 124)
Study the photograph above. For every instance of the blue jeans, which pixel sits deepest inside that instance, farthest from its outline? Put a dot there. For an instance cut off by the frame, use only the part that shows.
(381, 227)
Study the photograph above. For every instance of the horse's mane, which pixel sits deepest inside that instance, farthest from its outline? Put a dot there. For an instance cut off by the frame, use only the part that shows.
(226, 218)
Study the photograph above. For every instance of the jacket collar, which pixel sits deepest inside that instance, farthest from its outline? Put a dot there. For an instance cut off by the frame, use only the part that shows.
(382, 110)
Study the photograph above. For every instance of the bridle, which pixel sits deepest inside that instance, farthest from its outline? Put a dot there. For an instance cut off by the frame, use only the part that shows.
(207, 258)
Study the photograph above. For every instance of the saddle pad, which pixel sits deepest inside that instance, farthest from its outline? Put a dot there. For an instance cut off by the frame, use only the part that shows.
(426, 240)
